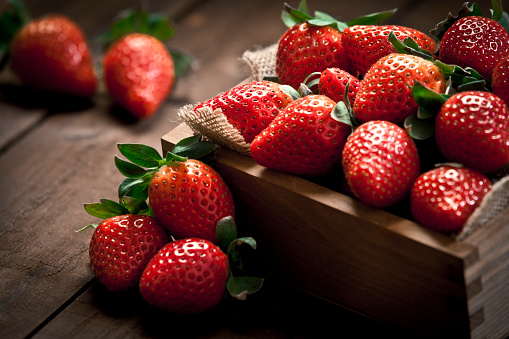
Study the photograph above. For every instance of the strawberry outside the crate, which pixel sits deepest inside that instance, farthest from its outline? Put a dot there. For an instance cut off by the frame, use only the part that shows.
(193, 275)
(124, 242)
(139, 70)
(185, 194)
(49, 53)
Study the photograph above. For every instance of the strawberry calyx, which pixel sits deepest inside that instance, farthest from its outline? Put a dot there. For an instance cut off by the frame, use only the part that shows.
(497, 14)
(144, 161)
(292, 16)
(240, 282)
(107, 208)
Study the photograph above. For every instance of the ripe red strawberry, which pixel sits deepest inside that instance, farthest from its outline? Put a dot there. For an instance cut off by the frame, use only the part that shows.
(305, 139)
(189, 198)
(380, 163)
(139, 73)
(365, 44)
(443, 198)
(333, 83)
(122, 245)
(52, 54)
(474, 41)
(472, 128)
(500, 79)
(250, 107)
(186, 276)
(385, 93)
(304, 49)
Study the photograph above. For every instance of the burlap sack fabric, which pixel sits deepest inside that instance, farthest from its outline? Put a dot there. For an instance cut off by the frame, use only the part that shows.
(261, 63)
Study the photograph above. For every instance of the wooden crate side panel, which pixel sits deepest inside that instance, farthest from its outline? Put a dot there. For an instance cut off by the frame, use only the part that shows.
(489, 302)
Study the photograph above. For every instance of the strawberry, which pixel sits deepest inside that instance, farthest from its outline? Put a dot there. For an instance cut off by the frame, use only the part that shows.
(250, 107)
(304, 49)
(305, 139)
(500, 79)
(476, 42)
(385, 93)
(52, 54)
(313, 43)
(472, 128)
(122, 244)
(191, 275)
(365, 44)
(189, 198)
(380, 163)
(186, 276)
(472, 40)
(139, 73)
(333, 83)
(443, 198)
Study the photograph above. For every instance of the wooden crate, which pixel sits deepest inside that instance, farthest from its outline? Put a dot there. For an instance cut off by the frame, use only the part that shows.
(368, 260)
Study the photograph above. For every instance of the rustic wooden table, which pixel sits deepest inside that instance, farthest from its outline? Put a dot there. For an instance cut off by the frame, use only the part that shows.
(56, 154)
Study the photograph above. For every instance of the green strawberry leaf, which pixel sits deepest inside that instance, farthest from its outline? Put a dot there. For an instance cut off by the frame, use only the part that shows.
(135, 206)
(182, 62)
(105, 209)
(140, 154)
(130, 21)
(240, 287)
(193, 147)
(226, 232)
(289, 90)
(497, 12)
(428, 99)
(134, 187)
(341, 113)
(234, 254)
(419, 129)
(12, 19)
(129, 169)
(372, 19)
(409, 46)
(292, 16)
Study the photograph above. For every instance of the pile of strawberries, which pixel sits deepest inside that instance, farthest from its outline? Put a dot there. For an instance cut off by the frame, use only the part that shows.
(400, 115)
(181, 251)
(51, 53)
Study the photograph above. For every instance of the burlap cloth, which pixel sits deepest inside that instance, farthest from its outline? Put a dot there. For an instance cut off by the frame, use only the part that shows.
(261, 63)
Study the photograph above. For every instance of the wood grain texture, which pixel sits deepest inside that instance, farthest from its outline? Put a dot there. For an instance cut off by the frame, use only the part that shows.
(56, 153)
